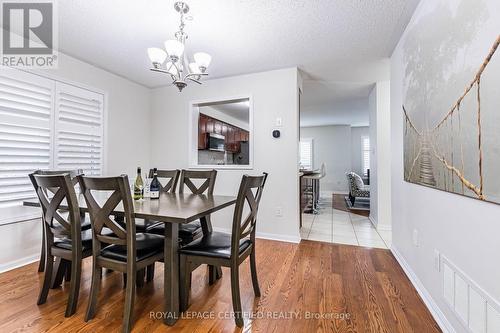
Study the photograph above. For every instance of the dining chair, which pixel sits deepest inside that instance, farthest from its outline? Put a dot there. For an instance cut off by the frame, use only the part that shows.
(189, 231)
(125, 250)
(228, 250)
(63, 235)
(85, 222)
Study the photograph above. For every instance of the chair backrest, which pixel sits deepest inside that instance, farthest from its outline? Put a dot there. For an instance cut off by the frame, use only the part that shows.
(207, 186)
(62, 188)
(171, 178)
(355, 181)
(101, 205)
(250, 191)
(72, 174)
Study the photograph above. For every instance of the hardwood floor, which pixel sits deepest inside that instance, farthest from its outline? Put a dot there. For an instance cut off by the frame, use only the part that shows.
(343, 288)
(340, 204)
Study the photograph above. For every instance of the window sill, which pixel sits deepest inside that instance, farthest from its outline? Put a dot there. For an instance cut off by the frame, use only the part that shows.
(17, 214)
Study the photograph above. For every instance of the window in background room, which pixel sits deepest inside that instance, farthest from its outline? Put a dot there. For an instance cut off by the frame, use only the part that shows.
(365, 154)
(45, 124)
(306, 154)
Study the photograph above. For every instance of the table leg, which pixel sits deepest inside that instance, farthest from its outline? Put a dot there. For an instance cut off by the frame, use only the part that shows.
(214, 272)
(171, 274)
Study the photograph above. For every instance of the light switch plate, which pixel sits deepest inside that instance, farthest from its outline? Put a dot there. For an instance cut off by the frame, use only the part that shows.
(279, 122)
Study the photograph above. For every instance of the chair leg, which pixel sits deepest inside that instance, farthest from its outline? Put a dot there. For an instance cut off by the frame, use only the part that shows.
(184, 283)
(124, 275)
(214, 274)
(47, 279)
(253, 269)
(75, 269)
(211, 275)
(41, 263)
(94, 290)
(150, 273)
(139, 277)
(59, 270)
(235, 292)
(128, 309)
(352, 199)
(69, 269)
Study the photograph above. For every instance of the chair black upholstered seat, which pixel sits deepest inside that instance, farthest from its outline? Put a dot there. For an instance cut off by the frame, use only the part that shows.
(215, 244)
(188, 232)
(147, 245)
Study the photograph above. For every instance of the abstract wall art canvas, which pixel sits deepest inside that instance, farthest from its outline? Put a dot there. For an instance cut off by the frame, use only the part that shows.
(451, 98)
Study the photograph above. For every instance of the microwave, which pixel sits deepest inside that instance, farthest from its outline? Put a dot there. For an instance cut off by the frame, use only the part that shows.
(216, 142)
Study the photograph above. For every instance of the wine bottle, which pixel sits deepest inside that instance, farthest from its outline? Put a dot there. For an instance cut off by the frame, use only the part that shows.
(154, 187)
(138, 186)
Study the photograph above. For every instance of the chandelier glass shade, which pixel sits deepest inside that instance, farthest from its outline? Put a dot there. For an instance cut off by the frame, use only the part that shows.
(173, 61)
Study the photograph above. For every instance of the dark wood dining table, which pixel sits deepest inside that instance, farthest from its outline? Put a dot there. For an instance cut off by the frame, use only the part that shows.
(171, 209)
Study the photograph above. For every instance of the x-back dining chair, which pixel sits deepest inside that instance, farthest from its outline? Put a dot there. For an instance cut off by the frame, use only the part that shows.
(228, 250)
(124, 250)
(193, 230)
(63, 236)
(85, 222)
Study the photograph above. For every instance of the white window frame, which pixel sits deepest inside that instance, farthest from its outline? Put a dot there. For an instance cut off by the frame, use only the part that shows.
(363, 170)
(17, 214)
(311, 143)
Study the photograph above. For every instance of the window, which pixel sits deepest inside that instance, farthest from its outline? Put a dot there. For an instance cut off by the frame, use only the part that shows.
(306, 154)
(221, 133)
(45, 124)
(365, 154)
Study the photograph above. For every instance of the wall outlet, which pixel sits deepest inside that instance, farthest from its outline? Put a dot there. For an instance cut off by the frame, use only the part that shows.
(415, 237)
(279, 212)
(437, 260)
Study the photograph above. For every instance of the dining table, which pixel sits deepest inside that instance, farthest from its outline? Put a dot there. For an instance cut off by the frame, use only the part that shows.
(172, 209)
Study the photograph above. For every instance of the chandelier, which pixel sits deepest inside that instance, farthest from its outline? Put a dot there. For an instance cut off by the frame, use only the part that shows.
(173, 60)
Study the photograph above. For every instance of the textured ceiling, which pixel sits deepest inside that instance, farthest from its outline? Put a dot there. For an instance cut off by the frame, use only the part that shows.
(339, 40)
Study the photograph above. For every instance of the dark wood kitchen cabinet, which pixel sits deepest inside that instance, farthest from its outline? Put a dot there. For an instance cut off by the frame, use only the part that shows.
(233, 135)
(202, 130)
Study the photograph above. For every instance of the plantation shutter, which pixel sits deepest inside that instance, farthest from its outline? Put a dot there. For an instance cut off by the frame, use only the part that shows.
(79, 129)
(26, 104)
(306, 154)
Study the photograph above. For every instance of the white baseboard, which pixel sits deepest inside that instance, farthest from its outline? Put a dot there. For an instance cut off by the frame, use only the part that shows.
(19, 263)
(434, 309)
(265, 235)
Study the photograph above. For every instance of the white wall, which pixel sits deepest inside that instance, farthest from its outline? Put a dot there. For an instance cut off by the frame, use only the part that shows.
(275, 94)
(464, 230)
(380, 161)
(331, 145)
(356, 134)
(127, 145)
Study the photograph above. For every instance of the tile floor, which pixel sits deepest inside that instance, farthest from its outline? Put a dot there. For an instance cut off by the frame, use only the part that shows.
(336, 226)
